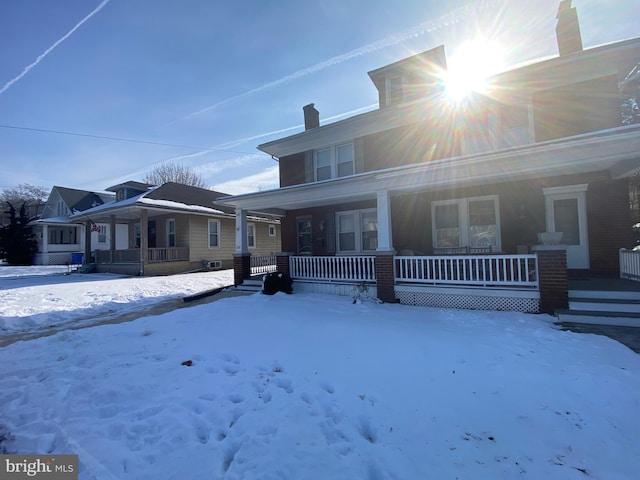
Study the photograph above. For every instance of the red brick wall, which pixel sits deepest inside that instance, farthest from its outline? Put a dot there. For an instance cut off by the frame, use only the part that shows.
(609, 221)
(241, 268)
(292, 170)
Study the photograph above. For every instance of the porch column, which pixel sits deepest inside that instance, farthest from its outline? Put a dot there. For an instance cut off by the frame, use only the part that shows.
(554, 284)
(385, 239)
(241, 256)
(112, 242)
(385, 280)
(144, 239)
(87, 243)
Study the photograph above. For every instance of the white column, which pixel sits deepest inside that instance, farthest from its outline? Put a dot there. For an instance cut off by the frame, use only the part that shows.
(241, 232)
(385, 240)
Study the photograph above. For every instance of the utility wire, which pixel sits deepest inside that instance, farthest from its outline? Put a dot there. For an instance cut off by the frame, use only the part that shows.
(131, 140)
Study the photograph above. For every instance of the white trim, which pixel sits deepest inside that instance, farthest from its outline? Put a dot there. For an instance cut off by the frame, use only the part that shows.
(252, 227)
(357, 216)
(272, 230)
(333, 161)
(169, 233)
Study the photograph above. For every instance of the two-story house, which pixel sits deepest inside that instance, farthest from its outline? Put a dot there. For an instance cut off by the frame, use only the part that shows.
(426, 191)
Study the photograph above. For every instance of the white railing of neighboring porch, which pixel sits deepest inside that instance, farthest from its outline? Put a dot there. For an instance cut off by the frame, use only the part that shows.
(263, 264)
(472, 270)
(348, 269)
(630, 264)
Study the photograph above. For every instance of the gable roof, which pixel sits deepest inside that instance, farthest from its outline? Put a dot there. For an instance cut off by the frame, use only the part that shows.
(79, 200)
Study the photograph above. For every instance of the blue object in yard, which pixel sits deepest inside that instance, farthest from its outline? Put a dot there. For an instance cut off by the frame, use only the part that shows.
(76, 258)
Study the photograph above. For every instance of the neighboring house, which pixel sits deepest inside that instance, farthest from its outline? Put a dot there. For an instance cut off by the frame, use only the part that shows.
(173, 228)
(60, 241)
(426, 193)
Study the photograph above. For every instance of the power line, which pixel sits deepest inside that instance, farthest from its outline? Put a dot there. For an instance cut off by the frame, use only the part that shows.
(131, 140)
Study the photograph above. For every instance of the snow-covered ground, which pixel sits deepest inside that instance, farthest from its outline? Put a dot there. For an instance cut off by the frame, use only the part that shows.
(312, 387)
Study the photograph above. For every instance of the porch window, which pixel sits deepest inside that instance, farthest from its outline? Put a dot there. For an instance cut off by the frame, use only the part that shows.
(464, 222)
(136, 235)
(102, 234)
(251, 235)
(334, 162)
(62, 235)
(357, 231)
(214, 233)
(304, 236)
(171, 232)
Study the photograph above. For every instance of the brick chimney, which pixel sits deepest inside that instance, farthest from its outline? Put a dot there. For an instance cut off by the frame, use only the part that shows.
(568, 29)
(311, 117)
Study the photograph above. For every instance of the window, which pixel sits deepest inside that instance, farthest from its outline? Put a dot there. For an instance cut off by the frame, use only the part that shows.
(61, 209)
(62, 235)
(102, 234)
(472, 222)
(214, 233)
(357, 231)
(136, 235)
(514, 122)
(394, 89)
(334, 162)
(171, 232)
(303, 226)
(272, 230)
(251, 235)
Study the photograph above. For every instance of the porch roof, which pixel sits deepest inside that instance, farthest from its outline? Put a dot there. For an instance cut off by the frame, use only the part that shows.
(616, 151)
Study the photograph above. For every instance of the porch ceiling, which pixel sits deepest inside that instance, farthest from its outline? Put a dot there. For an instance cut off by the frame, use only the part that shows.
(616, 151)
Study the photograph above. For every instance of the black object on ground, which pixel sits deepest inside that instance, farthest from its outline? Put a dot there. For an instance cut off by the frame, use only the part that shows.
(277, 282)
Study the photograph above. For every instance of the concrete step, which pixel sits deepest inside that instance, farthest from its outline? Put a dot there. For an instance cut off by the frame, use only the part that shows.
(250, 285)
(618, 305)
(604, 295)
(623, 319)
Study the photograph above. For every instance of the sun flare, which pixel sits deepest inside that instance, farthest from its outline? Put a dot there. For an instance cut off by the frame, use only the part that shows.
(470, 66)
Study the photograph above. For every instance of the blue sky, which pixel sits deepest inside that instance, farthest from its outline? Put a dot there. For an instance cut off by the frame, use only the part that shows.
(223, 76)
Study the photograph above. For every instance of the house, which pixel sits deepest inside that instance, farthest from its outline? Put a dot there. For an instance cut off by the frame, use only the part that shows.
(61, 241)
(172, 228)
(435, 202)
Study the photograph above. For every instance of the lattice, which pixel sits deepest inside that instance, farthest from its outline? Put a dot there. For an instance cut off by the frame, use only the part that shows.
(469, 302)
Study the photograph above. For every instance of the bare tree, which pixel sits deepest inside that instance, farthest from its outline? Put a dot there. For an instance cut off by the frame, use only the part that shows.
(33, 197)
(173, 172)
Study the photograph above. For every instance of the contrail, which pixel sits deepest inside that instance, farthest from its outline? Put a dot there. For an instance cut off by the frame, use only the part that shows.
(425, 27)
(48, 50)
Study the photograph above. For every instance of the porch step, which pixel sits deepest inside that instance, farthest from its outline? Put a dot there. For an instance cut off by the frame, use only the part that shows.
(250, 285)
(602, 306)
(622, 319)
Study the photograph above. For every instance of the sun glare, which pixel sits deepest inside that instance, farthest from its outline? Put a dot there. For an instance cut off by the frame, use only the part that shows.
(470, 66)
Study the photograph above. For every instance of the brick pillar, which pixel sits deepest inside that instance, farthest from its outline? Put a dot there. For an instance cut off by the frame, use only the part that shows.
(385, 277)
(241, 267)
(554, 285)
(282, 262)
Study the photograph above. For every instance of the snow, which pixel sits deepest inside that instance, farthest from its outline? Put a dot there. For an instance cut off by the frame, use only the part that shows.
(310, 386)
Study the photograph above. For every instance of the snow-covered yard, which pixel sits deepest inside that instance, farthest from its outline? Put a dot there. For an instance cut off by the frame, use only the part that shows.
(310, 387)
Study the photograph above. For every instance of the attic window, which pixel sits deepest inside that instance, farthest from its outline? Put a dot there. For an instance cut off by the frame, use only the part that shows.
(395, 87)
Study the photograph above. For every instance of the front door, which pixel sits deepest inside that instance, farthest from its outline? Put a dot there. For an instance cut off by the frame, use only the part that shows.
(566, 212)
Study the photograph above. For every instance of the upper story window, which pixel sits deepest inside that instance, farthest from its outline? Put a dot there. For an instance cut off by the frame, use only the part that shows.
(334, 162)
(514, 125)
(61, 209)
(394, 89)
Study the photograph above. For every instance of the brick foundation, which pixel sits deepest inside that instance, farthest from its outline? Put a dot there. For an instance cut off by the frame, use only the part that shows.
(282, 262)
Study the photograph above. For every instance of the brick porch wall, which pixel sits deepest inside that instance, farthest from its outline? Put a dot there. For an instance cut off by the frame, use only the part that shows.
(282, 262)
(385, 277)
(554, 284)
(241, 268)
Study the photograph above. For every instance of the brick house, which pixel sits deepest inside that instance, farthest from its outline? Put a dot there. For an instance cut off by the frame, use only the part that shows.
(429, 201)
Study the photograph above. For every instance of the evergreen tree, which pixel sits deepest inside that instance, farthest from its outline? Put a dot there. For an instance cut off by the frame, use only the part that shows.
(18, 243)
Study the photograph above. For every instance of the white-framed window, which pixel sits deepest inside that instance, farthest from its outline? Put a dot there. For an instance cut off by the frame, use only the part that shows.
(394, 89)
(251, 235)
(214, 233)
(61, 209)
(357, 231)
(466, 222)
(333, 162)
(102, 234)
(272, 230)
(62, 235)
(171, 232)
(136, 235)
(303, 230)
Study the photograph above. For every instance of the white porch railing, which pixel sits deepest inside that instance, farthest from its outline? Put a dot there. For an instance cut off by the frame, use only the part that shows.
(471, 270)
(155, 255)
(349, 269)
(263, 264)
(630, 264)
